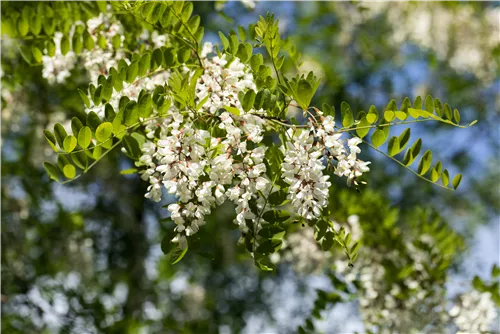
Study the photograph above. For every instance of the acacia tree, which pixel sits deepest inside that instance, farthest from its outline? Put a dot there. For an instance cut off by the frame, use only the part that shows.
(225, 124)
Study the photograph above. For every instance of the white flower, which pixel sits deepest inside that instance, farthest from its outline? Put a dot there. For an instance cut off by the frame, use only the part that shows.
(303, 170)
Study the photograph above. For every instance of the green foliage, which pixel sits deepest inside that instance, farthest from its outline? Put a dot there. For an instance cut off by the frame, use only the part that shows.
(94, 137)
(393, 117)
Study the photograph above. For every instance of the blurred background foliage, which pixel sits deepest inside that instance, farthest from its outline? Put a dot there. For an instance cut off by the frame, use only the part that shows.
(93, 262)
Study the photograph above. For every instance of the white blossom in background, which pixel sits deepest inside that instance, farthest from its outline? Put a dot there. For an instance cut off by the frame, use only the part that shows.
(455, 35)
(303, 251)
(248, 4)
(474, 313)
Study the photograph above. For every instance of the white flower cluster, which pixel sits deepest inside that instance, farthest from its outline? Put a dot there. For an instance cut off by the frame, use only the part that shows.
(475, 313)
(201, 170)
(414, 302)
(303, 171)
(96, 61)
(347, 163)
(303, 251)
(303, 165)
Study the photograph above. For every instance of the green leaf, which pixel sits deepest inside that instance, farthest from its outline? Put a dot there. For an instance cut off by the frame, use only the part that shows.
(248, 100)
(109, 112)
(232, 110)
(102, 42)
(429, 104)
(304, 93)
(96, 95)
(176, 255)
(194, 23)
(438, 107)
(116, 42)
(49, 26)
(51, 48)
(65, 45)
(272, 232)
(233, 42)
(416, 106)
(276, 216)
(436, 172)
(144, 64)
(261, 99)
(224, 40)
(355, 248)
(456, 116)
(372, 115)
(378, 138)
(202, 102)
(456, 181)
(69, 171)
(417, 145)
(23, 27)
(346, 114)
(328, 241)
(256, 61)
(131, 113)
(408, 158)
(445, 177)
(88, 41)
(401, 115)
(107, 89)
(132, 147)
(51, 139)
(362, 128)
(187, 10)
(104, 131)
(145, 106)
(128, 171)
(36, 24)
(328, 110)
(60, 134)
(84, 98)
(404, 138)
(262, 266)
(52, 170)
(390, 111)
(79, 158)
(93, 121)
(69, 143)
(425, 162)
(37, 54)
(97, 152)
(405, 105)
(76, 125)
(393, 146)
(270, 246)
(78, 43)
(84, 137)
(132, 71)
(280, 61)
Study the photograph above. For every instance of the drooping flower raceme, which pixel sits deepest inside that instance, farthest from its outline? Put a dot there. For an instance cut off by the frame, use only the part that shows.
(303, 171)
